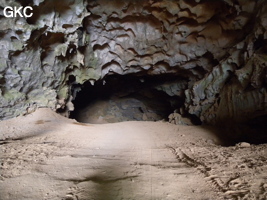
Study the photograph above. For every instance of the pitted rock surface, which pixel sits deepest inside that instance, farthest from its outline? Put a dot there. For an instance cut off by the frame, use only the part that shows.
(217, 47)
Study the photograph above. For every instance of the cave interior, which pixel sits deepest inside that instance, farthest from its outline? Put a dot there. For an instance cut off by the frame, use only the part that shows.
(189, 62)
(131, 99)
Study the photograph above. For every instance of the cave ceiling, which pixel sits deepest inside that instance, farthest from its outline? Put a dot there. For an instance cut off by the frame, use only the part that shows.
(218, 47)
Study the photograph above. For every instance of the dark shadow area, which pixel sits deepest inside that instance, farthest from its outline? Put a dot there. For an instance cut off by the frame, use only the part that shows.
(126, 98)
(253, 131)
(103, 187)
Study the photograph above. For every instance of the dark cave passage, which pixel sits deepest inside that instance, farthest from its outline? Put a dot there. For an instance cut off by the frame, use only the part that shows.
(252, 131)
(118, 98)
(125, 98)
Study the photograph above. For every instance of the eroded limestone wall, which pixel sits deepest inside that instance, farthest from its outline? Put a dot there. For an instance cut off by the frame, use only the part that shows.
(219, 47)
(235, 90)
(38, 54)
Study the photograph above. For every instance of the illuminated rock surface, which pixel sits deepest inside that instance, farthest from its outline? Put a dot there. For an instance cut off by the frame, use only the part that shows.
(190, 62)
(219, 48)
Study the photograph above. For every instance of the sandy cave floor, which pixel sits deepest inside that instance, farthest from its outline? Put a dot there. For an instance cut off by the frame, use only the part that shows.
(46, 156)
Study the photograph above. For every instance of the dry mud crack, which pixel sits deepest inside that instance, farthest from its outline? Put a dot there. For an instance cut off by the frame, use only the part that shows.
(65, 160)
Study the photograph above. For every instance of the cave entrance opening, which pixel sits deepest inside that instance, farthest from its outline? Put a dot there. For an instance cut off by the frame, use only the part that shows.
(118, 98)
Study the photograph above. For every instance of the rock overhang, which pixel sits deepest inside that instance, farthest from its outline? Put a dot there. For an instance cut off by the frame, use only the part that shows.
(217, 46)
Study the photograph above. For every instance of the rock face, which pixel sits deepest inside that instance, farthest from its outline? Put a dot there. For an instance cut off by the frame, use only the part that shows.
(118, 110)
(217, 50)
(125, 98)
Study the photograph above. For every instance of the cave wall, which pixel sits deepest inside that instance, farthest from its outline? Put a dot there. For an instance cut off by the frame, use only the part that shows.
(219, 47)
(38, 54)
(235, 90)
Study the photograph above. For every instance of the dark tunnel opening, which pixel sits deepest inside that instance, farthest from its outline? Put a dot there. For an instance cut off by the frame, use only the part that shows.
(125, 98)
(118, 98)
(252, 131)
